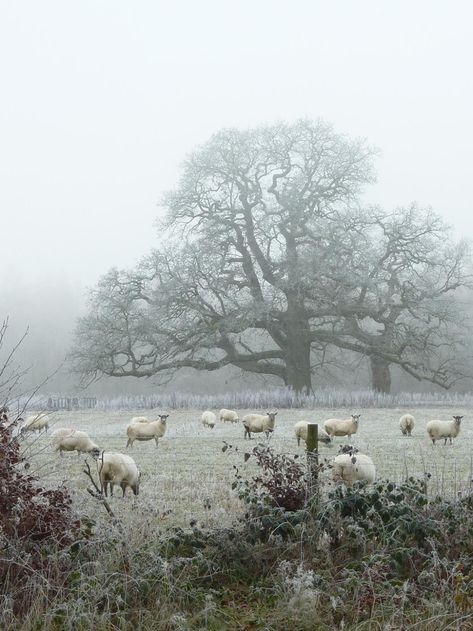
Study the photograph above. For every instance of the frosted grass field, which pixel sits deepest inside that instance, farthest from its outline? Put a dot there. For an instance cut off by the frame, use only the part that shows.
(189, 477)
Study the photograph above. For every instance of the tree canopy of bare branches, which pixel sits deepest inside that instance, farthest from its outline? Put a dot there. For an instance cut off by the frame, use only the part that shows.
(265, 260)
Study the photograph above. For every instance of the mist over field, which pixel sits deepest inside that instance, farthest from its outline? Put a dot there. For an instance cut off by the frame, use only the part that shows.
(93, 136)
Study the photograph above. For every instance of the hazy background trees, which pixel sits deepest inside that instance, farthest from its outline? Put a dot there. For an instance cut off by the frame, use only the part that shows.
(267, 262)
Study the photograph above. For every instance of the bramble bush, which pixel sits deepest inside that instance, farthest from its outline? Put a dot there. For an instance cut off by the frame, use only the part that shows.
(29, 512)
(31, 518)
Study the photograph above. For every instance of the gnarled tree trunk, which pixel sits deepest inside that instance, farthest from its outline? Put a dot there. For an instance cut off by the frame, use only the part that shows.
(298, 374)
(380, 374)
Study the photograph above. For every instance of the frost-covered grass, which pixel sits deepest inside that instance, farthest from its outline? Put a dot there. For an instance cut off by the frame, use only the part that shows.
(189, 477)
(152, 569)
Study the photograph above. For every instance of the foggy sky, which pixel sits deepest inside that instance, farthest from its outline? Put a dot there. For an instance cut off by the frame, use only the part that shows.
(101, 101)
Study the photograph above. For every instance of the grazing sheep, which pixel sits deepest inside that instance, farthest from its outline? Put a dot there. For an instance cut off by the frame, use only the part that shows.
(115, 468)
(4, 414)
(300, 430)
(228, 416)
(406, 423)
(257, 423)
(444, 429)
(208, 419)
(36, 422)
(351, 466)
(69, 439)
(147, 431)
(342, 427)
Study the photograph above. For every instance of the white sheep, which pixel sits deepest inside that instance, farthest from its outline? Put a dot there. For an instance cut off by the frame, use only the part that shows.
(350, 466)
(444, 429)
(300, 430)
(342, 427)
(70, 439)
(209, 419)
(406, 423)
(258, 423)
(36, 422)
(140, 419)
(116, 468)
(147, 431)
(228, 416)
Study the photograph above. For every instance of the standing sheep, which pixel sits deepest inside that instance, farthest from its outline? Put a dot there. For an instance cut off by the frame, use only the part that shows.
(300, 430)
(208, 419)
(350, 466)
(147, 431)
(115, 468)
(406, 423)
(258, 423)
(69, 439)
(444, 429)
(342, 427)
(36, 422)
(228, 416)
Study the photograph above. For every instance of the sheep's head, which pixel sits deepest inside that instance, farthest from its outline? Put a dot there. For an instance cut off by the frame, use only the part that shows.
(163, 418)
(356, 418)
(136, 487)
(347, 449)
(457, 419)
(95, 452)
(271, 416)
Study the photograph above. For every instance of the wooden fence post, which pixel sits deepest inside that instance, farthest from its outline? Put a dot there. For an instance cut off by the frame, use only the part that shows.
(313, 457)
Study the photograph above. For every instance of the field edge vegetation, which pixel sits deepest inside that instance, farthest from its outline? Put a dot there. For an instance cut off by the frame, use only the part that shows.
(269, 398)
(387, 555)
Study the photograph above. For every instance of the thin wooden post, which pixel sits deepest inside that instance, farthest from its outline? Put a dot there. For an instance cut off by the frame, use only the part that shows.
(313, 456)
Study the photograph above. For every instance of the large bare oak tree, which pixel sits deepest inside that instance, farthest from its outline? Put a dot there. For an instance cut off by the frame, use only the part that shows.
(265, 260)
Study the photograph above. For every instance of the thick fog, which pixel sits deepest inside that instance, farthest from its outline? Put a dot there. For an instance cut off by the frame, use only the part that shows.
(102, 101)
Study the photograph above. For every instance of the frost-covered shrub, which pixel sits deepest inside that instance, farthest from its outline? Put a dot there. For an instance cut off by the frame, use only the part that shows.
(35, 523)
(27, 510)
(281, 481)
(276, 497)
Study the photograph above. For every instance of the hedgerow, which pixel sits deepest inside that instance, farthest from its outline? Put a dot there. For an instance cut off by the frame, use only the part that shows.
(386, 555)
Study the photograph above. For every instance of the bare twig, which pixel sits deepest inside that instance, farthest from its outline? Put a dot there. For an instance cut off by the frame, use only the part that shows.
(96, 491)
